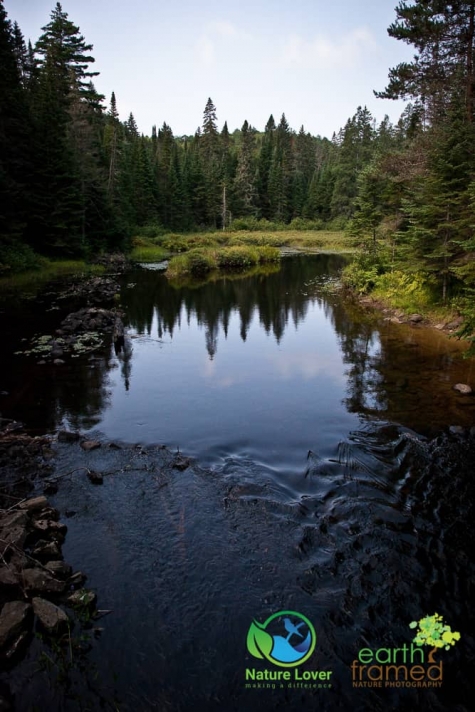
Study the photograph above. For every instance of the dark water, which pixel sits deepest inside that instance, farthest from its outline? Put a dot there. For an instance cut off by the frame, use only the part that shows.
(315, 491)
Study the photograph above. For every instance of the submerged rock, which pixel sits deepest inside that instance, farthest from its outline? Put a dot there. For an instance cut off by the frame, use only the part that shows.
(463, 388)
(95, 477)
(90, 445)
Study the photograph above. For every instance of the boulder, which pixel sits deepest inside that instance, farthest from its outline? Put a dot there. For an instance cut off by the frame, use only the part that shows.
(59, 569)
(82, 598)
(46, 551)
(40, 581)
(14, 529)
(51, 617)
(415, 318)
(95, 477)
(15, 620)
(35, 504)
(88, 445)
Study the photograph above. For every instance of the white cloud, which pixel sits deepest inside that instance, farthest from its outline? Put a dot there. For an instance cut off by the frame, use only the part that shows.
(205, 51)
(326, 52)
(215, 40)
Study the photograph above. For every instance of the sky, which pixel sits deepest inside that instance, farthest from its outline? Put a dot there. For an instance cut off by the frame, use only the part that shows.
(314, 60)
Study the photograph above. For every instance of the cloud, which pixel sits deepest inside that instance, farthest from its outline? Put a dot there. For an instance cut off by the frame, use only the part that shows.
(205, 51)
(215, 39)
(324, 52)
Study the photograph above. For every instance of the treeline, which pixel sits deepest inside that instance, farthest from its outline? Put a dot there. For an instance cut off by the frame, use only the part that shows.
(75, 180)
(415, 202)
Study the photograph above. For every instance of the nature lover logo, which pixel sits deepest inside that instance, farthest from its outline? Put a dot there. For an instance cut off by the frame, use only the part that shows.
(286, 639)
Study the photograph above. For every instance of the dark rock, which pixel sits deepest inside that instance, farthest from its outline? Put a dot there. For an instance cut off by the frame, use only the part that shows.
(90, 445)
(40, 581)
(457, 430)
(8, 579)
(14, 529)
(68, 436)
(82, 598)
(76, 580)
(47, 551)
(181, 463)
(59, 569)
(70, 513)
(51, 487)
(51, 617)
(15, 619)
(463, 388)
(415, 318)
(58, 362)
(95, 477)
(34, 504)
(50, 526)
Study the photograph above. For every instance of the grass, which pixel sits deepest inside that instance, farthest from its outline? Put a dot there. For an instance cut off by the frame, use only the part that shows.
(303, 240)
(46, 271)
(148, 253)
(198, 262)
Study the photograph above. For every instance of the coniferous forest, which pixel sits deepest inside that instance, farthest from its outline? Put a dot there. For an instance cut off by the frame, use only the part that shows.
(75, 180)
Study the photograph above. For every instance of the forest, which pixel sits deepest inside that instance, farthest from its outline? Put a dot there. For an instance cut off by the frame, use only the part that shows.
(75, 180)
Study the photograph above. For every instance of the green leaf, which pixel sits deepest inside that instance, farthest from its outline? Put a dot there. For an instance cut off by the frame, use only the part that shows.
(413, 624)
(259, 642)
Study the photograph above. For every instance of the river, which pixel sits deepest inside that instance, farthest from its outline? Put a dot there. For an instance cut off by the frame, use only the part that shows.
(316, 488)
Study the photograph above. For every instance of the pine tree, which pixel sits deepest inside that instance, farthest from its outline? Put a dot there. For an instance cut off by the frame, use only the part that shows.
(245, 188)
(15, 141)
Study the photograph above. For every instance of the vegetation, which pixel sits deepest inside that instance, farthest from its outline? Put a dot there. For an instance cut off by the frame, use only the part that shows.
(75, 180)
(199, 262)
(413, 208)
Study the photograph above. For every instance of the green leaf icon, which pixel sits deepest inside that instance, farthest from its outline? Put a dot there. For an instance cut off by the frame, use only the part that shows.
(259, 642)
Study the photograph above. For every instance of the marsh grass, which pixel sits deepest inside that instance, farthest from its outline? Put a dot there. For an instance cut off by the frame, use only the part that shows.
(304, 240)
(201, 261)
(48, 270)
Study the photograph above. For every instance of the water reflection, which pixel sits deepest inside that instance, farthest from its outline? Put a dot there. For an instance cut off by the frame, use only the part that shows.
(263, 366)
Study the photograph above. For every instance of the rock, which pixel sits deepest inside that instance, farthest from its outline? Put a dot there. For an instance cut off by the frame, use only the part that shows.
(95, 477)
(50, 526)
(76, 580)
(82, 598)
(68, 436)
(456, 430)
(40, 581)
(14, 529)
(181, 463)
(90, 445)
(58, 362)
(51, 487)
(34, 504)
(472, 431)
(47, 551)
(415, 318)
(59, 568)
(50, 617)
(15, 620)
(8, 579)
(463, 388)
(455, 324)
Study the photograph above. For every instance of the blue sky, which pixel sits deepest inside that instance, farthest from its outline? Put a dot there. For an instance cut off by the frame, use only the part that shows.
(315, 60)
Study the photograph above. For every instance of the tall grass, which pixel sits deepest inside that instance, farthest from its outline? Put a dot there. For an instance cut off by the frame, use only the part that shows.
(198, 262)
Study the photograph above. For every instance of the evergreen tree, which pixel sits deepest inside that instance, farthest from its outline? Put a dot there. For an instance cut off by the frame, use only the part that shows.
(245, 188)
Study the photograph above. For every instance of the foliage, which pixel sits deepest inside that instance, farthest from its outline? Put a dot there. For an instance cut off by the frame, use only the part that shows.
(198, 262)
(432, 631)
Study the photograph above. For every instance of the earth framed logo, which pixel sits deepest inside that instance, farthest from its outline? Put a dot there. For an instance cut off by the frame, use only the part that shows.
(285, 639)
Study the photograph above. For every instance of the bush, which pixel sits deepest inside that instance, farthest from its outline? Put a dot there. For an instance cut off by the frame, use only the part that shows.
(18, 257)
(303, 224)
